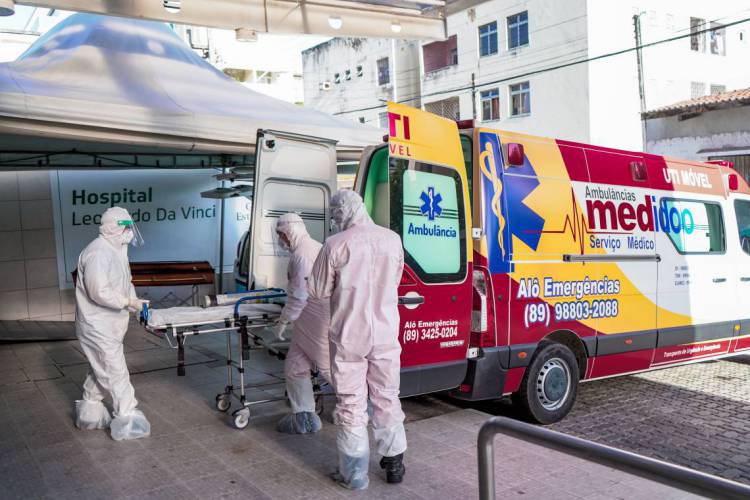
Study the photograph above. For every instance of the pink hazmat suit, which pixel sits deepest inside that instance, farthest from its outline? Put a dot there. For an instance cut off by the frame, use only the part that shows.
(311, 318)
(359, 269)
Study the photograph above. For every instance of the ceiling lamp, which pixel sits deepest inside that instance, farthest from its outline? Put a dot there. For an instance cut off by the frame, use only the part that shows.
(335, 22)
(245, 35)
(396, 27)
(7, 7)
(172, 6)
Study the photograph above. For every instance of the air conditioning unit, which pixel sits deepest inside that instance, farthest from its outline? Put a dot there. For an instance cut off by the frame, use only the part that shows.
(325, 85)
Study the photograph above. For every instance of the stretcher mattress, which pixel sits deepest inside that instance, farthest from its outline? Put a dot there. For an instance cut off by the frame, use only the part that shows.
(159, 318)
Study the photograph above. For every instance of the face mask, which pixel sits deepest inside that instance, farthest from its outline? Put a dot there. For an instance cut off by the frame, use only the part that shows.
(337, 214)
(128, 236)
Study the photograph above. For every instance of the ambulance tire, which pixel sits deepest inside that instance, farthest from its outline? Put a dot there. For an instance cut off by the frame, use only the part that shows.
(550, 385)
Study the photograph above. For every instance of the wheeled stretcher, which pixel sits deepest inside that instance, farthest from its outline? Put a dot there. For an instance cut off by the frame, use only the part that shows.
(250, 313)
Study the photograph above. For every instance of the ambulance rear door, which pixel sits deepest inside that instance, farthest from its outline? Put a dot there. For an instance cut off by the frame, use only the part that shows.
(417, 186)
(293, 173)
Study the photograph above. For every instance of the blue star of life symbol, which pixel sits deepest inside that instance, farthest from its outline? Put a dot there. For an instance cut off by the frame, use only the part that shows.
(431, 203)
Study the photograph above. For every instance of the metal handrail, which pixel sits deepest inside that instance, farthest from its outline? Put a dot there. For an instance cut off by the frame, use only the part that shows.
(649, 468)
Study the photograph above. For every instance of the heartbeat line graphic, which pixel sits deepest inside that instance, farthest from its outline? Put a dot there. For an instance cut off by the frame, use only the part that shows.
(575, 224)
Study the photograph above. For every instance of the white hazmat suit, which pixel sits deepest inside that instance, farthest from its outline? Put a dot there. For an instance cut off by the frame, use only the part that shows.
(311, 318)
(104, 294)
(359, 269)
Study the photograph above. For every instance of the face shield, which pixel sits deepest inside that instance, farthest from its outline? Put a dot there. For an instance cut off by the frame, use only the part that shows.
(131, 233)
(280, 244)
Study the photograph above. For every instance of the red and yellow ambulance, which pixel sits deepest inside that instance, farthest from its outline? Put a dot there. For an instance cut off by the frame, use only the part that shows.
(533, 264)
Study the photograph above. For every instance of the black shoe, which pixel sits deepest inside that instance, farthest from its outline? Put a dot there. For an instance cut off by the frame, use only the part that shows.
(394, 468)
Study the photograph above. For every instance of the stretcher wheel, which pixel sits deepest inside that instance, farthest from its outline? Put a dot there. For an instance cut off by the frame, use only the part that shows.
(241, 418)
(223, 402)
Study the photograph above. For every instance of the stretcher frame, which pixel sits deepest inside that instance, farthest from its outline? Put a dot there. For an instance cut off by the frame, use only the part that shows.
(243, 325)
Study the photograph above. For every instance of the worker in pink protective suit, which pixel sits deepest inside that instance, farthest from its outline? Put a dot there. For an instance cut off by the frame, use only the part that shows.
(311, 317)
(104, 297)
(359, 269)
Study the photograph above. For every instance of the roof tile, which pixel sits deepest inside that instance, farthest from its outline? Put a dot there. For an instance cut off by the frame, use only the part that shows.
(733, 98)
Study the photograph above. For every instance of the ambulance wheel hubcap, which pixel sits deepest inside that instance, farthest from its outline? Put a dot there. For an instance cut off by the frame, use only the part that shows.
(553, 384)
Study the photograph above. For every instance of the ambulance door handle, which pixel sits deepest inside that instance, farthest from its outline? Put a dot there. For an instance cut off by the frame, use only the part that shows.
(745, 278)
(719, 280)
(411, 300)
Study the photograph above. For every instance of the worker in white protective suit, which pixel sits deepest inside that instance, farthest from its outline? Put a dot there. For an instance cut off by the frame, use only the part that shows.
(104, 297)
(359, 269)
(311, 318)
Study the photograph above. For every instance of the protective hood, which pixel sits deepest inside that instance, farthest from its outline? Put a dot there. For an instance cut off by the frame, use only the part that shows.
(292, 226)
(348, 209)
(112, 229)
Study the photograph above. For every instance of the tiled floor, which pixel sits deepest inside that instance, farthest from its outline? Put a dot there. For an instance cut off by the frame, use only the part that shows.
(195, 453)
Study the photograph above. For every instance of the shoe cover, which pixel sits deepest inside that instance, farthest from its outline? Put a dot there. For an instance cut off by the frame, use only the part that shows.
(134, 425)
(354, 475)
(92, 415)
(353, 444)
(300, 423)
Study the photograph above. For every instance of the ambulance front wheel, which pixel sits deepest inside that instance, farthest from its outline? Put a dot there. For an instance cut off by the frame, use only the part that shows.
(550, 384)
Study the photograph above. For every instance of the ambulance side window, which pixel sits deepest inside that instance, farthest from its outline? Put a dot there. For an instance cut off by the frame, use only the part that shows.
(467, 148)
(377, 191)
(742, 210)
(694, 227)
(428, 213)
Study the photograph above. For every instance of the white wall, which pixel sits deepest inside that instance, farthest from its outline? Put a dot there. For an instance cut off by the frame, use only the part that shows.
(614, 101)
(668, 68)
(702, 136)
(322, 62)
(28, 255)
(557, 32)
(279, 54)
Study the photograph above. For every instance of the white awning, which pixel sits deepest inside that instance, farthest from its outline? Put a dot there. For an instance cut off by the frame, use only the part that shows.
(108, 85)
(414, 19)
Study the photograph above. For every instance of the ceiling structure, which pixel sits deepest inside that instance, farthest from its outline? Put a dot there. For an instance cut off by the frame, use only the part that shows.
(411, 19)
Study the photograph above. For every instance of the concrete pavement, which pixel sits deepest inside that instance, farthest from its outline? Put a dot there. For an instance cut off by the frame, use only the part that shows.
(195, 453)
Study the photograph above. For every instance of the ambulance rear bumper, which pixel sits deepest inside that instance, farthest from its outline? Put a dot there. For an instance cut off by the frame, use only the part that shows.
(485, 376)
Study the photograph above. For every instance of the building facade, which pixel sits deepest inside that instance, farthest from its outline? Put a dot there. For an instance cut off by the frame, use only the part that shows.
(561, 69)
(715, 127)
(269, 64)
(354, 77)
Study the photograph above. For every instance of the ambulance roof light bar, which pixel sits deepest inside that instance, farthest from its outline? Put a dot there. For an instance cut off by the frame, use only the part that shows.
(733, 182)
(722, 163)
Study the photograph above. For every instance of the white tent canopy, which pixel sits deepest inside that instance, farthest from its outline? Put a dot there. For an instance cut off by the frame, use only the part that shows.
(108, 88)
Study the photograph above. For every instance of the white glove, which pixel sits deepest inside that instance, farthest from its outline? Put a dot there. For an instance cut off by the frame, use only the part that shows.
(136, 305)
(279, 330)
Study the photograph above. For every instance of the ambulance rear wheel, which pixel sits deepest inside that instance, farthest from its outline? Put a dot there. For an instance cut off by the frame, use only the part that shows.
(550, 384)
